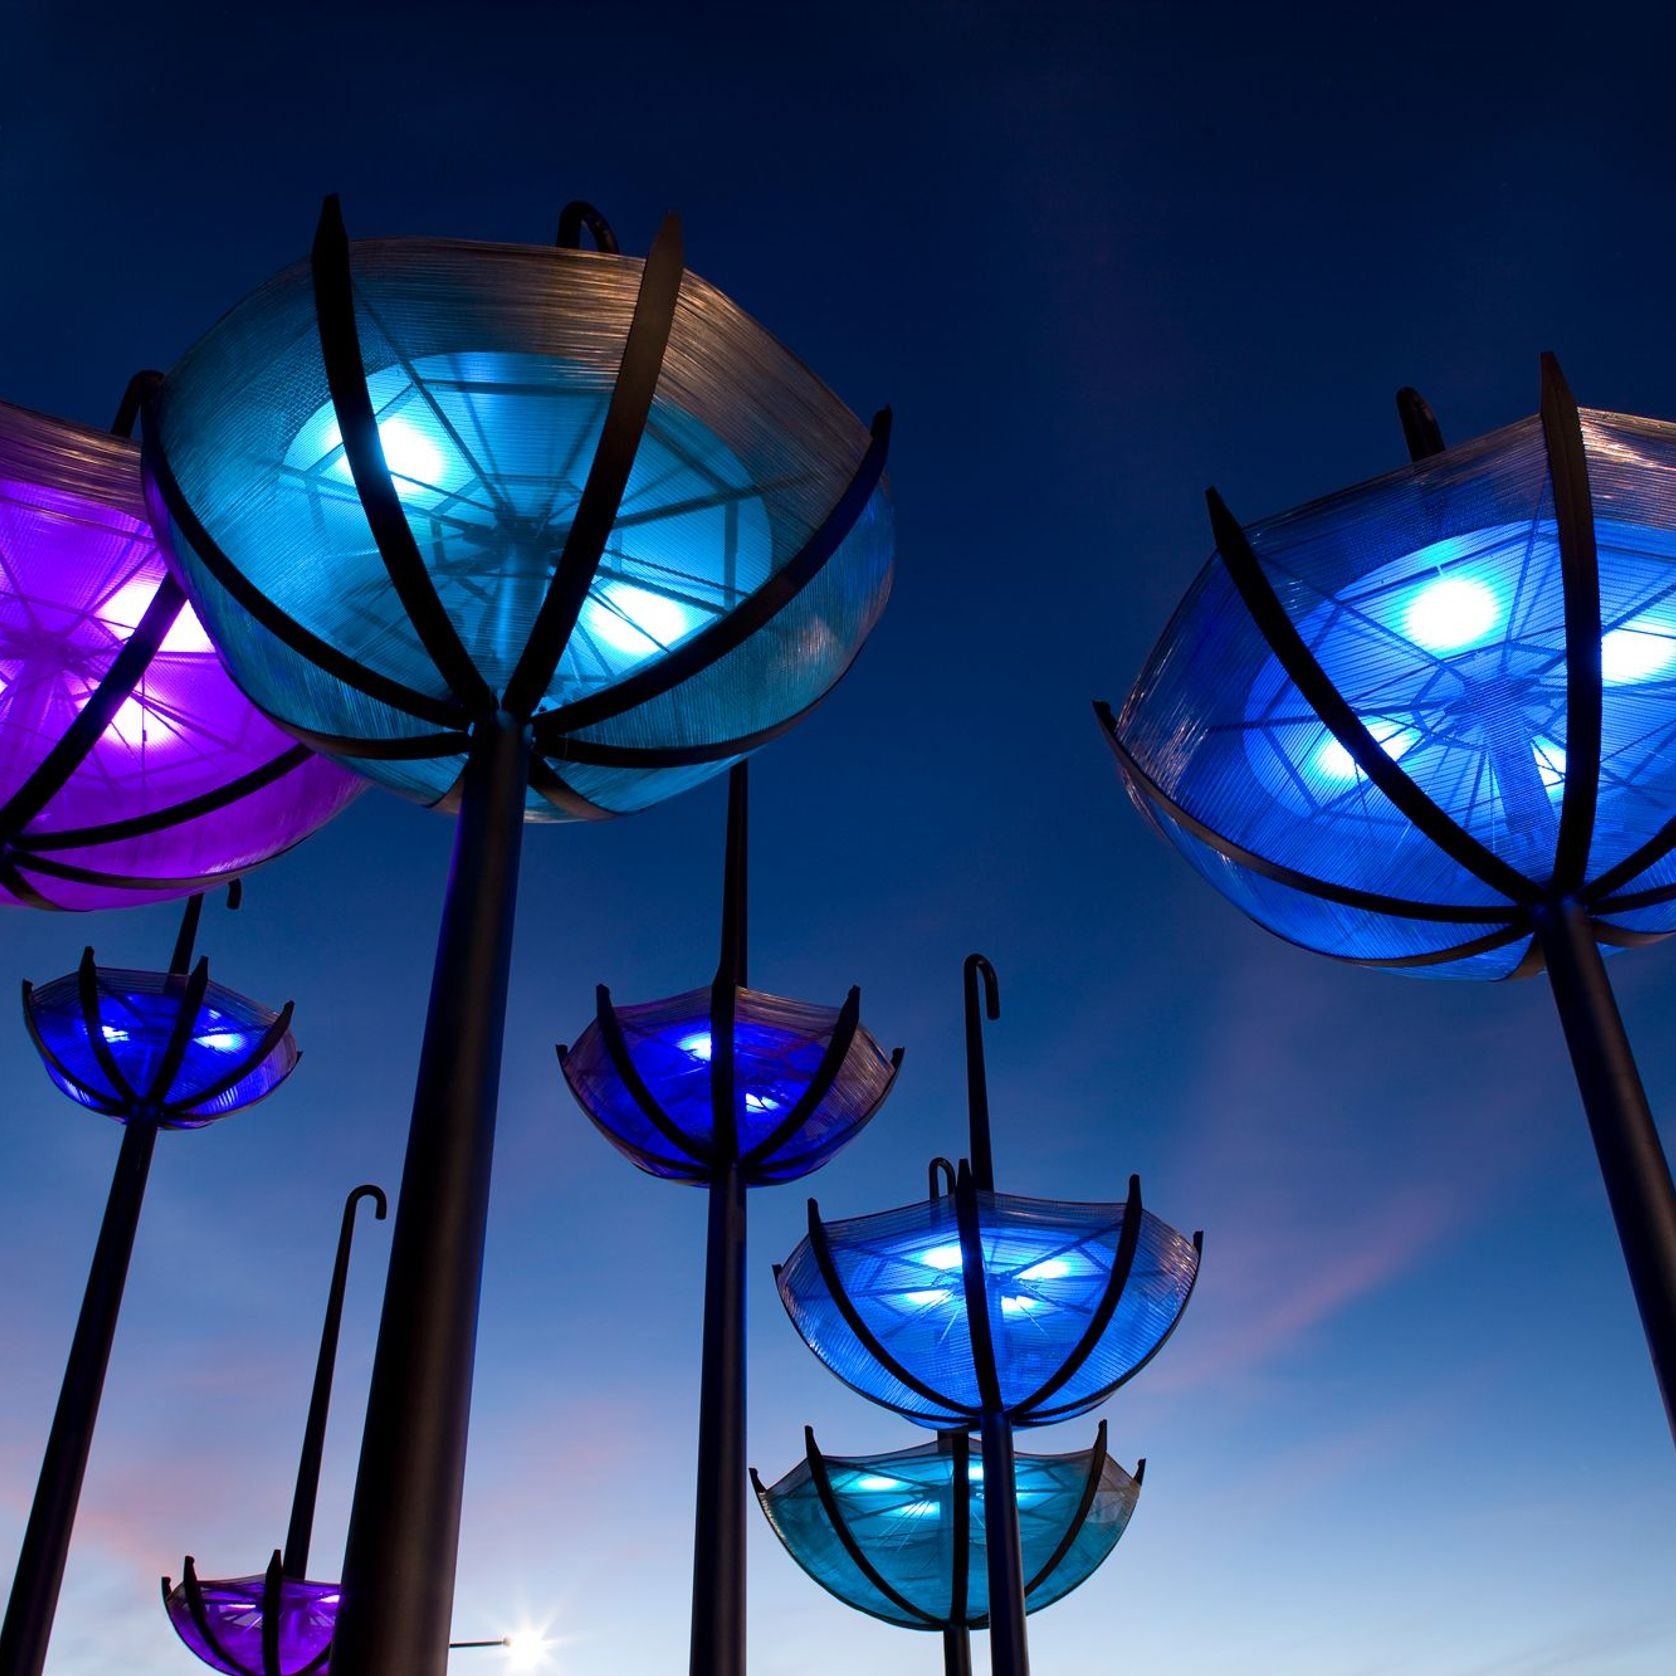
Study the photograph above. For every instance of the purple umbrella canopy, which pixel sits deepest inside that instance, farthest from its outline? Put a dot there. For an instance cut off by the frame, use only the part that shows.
(131, 768)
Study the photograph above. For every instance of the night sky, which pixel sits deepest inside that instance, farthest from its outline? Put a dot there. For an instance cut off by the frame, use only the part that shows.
(1095, 258)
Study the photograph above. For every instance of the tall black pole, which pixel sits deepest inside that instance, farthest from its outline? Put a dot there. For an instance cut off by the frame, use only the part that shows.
(956, 1529)
(46, 1537)
(1009, 1651)
(718, 1607)
(301, 1529)
(1632, 1161)
(404, 1526)
(977, 1078)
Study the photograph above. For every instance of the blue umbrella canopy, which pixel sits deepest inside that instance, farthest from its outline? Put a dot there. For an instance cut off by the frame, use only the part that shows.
(411, 483)
(806, 1079)
(901, 1535)
(1069, 1301)
(1396, 723)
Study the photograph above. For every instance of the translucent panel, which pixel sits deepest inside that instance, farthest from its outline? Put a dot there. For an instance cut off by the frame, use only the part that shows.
(230, 1639)
(138, 1012)
(900, 1510)
(185, 754)
(625, 791)
(779, 1046)
(490, 369)
(1047, 1267)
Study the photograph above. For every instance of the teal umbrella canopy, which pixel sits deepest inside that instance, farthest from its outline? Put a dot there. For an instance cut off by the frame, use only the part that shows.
(901, 1536)
(413, 482)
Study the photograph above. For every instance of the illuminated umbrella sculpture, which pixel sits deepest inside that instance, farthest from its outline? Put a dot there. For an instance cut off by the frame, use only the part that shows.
(1426, 723)
(901, 1535)
(984, 1311)
(519, 532)
(131, 768)
(154, 1051)
(729, 1088)
(279, 1623)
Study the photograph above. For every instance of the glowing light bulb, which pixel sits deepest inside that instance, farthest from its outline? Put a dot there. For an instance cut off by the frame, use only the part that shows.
(1333, 762)
(927, 1299)
(761, 1103)
(112, 1034)
(1550, 763)
(222, 1041)
(942, 1257)
(1050, 1268)
(1019, 1306)
(697, 1044)
(636, 620)
(1452, 613)
(131, 725)
(413, 457)
(1638, 651)
(877, 1481)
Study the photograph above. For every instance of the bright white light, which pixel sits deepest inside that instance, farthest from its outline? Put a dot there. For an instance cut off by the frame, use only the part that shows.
(1334, 762)
(942, 1257)
(132, 725)
(934, 1296)
(1019, 1306)
(975, 1472)
(127, 605)
(1050, 1268)
(527, 1649)
(761, 1103)
(1638, 651)
(112, 1034)
(1550, 763)
(414, 459)
(636, 620)
(697, 1044)
(223, 1041)
(1452, 613)
(877, 1481)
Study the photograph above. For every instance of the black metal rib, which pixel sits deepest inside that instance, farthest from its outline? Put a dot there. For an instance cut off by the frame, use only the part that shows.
(822, 1250)
(972, 1284)
(273, 1601)
(552, 786)
(418, 747)
(1420, 428)
(1085, 1506)
(1046, 1416)
(271, 1038)
(1568, 471)
(1276, 872)
(628, 1073)
(722, 636)
(444, 712)
(140, 389)
(191, 1002)
(596, 754)
(97, 714)
(1123, 1262)
(960, 1537)
(195, 1605)
(1341, 720)
(840, 1528)
(820, 1085)
(1632, 866)
(346, 378)
(188, 809)
(22, 888)
(608, 475)
(1652, 897)
(100, 1101)
(1435, 957)
(87, 992)
(55, 869)
(578, 215)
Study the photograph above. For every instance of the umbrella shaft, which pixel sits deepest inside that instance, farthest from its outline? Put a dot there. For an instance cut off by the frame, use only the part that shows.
(1009, 1653)
(718, 1615)
(404, 1525)
(1637, 1174)
(957, 1650)
(46, 1538)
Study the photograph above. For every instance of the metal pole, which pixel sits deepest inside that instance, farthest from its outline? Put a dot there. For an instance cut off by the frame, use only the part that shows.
(977, 1078)
(1627, 1142)
(404, 1525)
(955, 1528)
(718, 1610)
(957, 1650)
(46, 1537)
(1009, 1653)
(301, 1529)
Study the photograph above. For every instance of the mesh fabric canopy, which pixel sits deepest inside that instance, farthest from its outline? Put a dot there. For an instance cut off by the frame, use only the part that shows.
(1394, 723)
(1073, 1308)
(888, 1534)
(168, 1045)
(416, 480)
(255, 1626)
(131, 768)
(806, 1079)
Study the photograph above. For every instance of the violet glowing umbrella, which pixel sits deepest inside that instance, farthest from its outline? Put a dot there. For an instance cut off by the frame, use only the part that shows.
(153, 1050)
(727, 1088)
(523, 533)
(131, 768)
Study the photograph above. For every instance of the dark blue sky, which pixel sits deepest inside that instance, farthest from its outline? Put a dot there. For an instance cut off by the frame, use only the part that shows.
(1095, 258)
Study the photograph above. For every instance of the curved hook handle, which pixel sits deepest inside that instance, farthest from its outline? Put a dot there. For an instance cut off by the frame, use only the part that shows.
(938, 1171)
(577, 215)
(381, 1208)
(977, 1080)
(1420, 428)
(141, 387)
